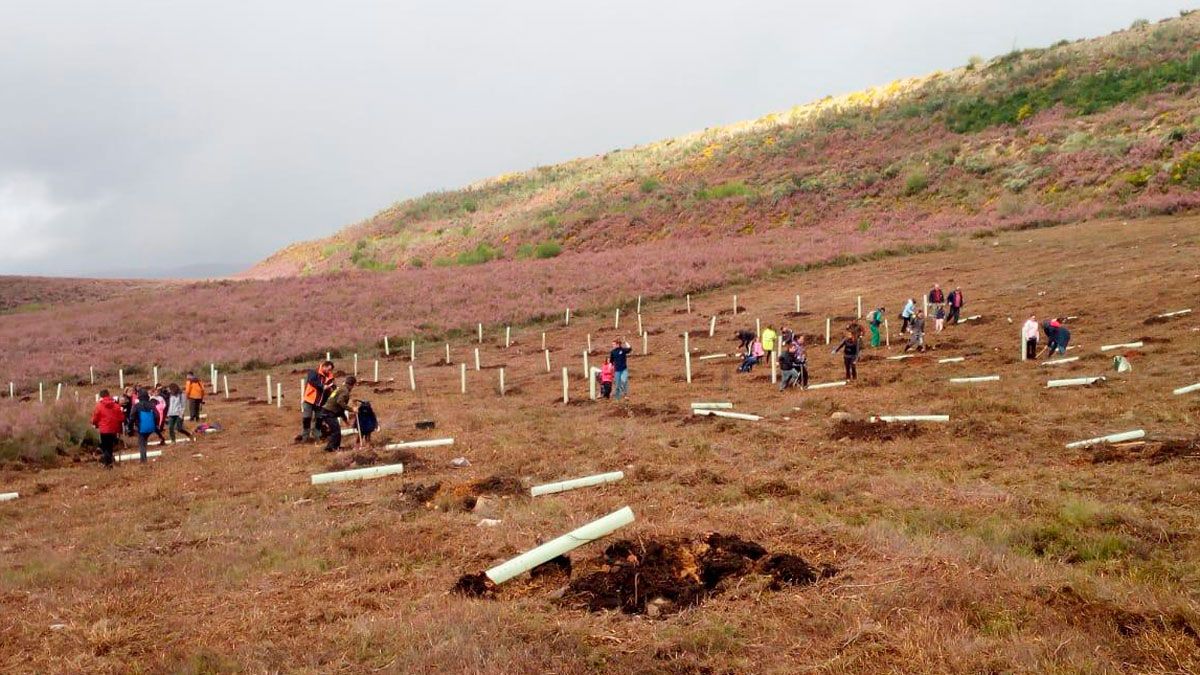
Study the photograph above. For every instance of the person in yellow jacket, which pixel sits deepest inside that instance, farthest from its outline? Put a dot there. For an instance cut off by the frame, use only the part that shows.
(769, 337)
(193, 390)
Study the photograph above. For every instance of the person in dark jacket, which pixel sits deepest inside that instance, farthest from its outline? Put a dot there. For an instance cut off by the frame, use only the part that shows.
(936, 297)
(334, 410)
(744, 338)
(619, 357)
(108, 418)
(1062, 335)
(849, 348)
(956, 304)
(145, 415)
(1051, 331)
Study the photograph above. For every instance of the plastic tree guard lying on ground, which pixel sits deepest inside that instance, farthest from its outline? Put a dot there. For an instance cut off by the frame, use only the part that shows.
(419, 444)
(1073, 382)
(8, 496)
(981, 378)
(1127, 345)
(574, 483)
(1111, 438)
(712, 405)
(570, 541)
(357, 474)
(1059, 362)
(826, 385)
(731, 415)
(911, 418)
(130, 456)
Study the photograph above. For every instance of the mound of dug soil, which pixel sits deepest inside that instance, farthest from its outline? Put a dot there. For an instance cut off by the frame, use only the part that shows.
(859, 430)
(660, 577)
(1153, 452)
(371, 457)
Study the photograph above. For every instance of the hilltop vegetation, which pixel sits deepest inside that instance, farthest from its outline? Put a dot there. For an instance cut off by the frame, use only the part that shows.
(1098, 127)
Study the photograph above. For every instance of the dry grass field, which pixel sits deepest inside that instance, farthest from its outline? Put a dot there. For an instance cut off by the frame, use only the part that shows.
(982, 545)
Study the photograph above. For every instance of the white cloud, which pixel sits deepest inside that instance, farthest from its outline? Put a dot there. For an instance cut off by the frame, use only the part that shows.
(28, 216)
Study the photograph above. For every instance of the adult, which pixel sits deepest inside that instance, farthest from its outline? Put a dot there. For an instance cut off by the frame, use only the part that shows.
(956, 304)
(906, 314)
(145, 415)
(849, 347)
(334, 410)
(936, 297)
(744, 338)
(1029, 331)
(1049, 326)
(768, 337)
(175, 412)
(193, 389)
(917, 341)
(620, 360)
(317, 384)
(108, 418)
(789, 367)
(1062, 335)
(876, 320)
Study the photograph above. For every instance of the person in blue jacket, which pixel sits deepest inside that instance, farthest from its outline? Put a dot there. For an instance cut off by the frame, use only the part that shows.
(619, 357)
(145, 415)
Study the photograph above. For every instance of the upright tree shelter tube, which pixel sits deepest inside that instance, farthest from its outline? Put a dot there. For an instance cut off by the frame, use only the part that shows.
(547, 353)
(689, 303)
(566, 386)
(278, 394)
(687, 359)
(463, 376)
(412, 378)
(387, 348)
(712, 325)
(594, 530)
(225, 383)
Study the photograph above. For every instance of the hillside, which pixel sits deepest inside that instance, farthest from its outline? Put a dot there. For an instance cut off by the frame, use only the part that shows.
(982, 545)
(1075, 130)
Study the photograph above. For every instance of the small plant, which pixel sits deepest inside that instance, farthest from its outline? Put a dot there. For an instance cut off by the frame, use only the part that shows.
(1186, 170)
(725, 191)
(477, 256)
(974, 61)
(1139, 23)
(470, 206)
(915, 183)
(864, 225)
(650, 185)
(547, 249)
(1139, 178)
(416, 263)
(525, 251)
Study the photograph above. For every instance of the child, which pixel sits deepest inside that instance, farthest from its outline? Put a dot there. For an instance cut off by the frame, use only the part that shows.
(160, 408)
(753, 355)
(607, 372)
(145, 420)
(849, 350)
(939, 318)
(365, 420)
(175, 412)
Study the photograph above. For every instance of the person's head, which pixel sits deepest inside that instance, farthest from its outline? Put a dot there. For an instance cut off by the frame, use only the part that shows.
(142, 393)
(936, 286)
(191, 375)
(351, 381)
(791, 347)
(173, 389)
(326, 367)
(958, 288)
(616, 342)
(103, 393)
(607, 360)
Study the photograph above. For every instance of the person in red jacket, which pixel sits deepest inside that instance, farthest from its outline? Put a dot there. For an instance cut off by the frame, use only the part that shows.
(108, 419)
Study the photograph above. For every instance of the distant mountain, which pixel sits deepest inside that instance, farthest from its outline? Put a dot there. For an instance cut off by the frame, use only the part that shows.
(1093, 127)
(210, 270)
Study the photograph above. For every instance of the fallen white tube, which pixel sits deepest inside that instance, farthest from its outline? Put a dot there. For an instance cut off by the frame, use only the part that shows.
(1112, 438)
(1059, 362)
(981, 378)
(732, 415)
(911, 418)
(1074, 382)
(826, 385)
(1187, 390)
(134, 455)
(419, 444)
(900, 357)
(1176, 313)
(357, 474)
(1127, 345)
(711, 356)
(712, 405)
(564, 544)
(8, 496)
(587, 481)
(169, 442)
(349, 431)
(952, 359)
(973, 317)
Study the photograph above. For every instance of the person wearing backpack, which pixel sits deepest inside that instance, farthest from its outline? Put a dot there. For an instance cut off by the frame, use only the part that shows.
(334, 411)
(175, 409)
(875, 321)
(145, 415)
(108, 418)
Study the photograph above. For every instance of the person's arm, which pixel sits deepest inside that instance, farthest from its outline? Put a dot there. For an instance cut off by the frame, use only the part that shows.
(96, 417)
(839, 347)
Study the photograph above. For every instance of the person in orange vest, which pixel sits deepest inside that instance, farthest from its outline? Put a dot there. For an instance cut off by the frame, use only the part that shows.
(193, 389)
(317, 385)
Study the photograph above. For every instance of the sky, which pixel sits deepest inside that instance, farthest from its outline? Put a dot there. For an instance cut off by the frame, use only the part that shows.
(189, 138)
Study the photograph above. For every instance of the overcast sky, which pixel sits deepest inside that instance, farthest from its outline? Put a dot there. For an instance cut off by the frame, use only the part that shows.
(157, 137)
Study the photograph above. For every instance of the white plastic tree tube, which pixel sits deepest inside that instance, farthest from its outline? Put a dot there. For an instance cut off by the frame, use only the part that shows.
(952, 359)
(477, 358)
(712, 325)
(597, 529)
(827, 385)
(1168, 315)
(1127, 345)
(278, 394)
(910, 418)
(687, 358)
(349, 431)
(8, 496)
(900, 357)
(1073, 382)
(1187, 390)
(707, 357)
(357, 474)
(566, 386)
(479, 331)
(170, 442)
(981, 378)
(973, 317)
(387, 347)
(828, 329)
(617, 319)
(129, 456)
(1111, 438)
(507, 337)
(412, 378)
(463, 377)
(689, 303)
(731, 415)
(574, 483)
(712, 405)
(1059, 362)
(430, 443)
(547, 353)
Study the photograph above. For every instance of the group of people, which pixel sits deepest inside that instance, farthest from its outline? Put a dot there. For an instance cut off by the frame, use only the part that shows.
(145, 412)
(326, 405)
(1058, 336)
(755, 348)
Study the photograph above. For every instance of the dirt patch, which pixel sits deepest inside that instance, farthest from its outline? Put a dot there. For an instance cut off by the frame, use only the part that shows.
(558, 566)
(383, 390)
(256, 402)
(640, 410)
(798, 314)
(660, 577)
(371, 457)
(419, 493)
(1152, 452)
(1151, 340)
(771, 488)
(474, 585)
(858, 430)
(701, 476)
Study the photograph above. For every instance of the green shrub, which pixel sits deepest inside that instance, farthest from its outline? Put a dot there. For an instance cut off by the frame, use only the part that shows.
(41, 434)
(444, 261)
(650, 185)
(477, 256)
(416, 262)
(864, 225)
(1186, 170)
(725, 191)
(915, 183)
(525, 251)
(547, 249)
(363, 257)
(1138, 178)
(470, 206)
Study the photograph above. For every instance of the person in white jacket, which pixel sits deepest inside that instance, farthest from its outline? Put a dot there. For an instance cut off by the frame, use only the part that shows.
(1030, 333)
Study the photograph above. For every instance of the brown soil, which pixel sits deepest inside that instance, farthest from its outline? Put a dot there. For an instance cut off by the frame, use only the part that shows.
(860, 430)
(1153, 452)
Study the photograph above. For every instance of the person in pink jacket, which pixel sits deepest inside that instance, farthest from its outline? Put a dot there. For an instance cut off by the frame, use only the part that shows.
(608, 373)
(753, 356)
